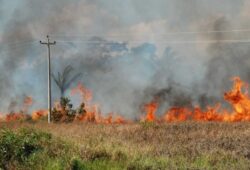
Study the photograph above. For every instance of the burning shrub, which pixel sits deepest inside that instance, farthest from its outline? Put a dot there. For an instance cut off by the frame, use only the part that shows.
(64, 112)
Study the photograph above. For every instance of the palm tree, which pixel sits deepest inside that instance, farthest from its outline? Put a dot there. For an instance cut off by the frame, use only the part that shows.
(65, 79)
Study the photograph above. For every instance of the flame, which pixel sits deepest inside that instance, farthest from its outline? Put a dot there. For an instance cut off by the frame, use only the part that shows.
(177, 114)
(36, 115)
(120, 120)
(21, 115)
(86, 94)
(92, 112)
(238, 98)
(15, 117)
(151, 109)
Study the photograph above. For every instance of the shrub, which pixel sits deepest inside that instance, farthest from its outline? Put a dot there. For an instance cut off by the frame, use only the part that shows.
(77, 164)
(65, 112)
(16, 147)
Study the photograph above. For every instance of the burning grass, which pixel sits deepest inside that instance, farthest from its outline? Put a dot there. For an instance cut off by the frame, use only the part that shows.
(193, 145)
(89, 112)
(237, 97)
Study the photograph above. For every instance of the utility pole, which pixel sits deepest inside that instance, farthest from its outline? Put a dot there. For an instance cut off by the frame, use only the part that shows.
(48, 43)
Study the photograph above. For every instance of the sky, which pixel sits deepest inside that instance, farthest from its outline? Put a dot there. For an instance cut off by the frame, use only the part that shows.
(128, 51)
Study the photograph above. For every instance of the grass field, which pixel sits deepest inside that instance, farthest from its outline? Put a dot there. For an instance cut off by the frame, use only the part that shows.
(187, 145)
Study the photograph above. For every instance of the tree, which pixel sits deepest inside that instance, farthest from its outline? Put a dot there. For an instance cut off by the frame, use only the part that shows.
(65, 79)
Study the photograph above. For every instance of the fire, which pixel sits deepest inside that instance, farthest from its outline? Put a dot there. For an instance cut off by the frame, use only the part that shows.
(36, 115)
(20, 115)
(238, 97)
(91, 112)
(15, 116)
(151, 109)
(86, 94)
(120, 120)
(177, 114)
(239, 100)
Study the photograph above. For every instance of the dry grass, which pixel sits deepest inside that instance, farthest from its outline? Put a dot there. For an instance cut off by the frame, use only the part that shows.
(190, 141)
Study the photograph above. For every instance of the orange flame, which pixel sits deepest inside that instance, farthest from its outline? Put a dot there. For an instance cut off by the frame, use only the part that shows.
(86, 94)
(15, 117)
(151, 109)
(22, 115)
(238, 98)
(177, 114)
(36, 115)
(240, 102)
(92, 112)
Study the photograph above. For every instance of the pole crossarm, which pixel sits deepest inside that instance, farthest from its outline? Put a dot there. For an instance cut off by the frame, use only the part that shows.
(48, 43)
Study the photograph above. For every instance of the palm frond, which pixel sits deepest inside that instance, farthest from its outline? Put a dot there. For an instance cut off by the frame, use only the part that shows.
(64, 79)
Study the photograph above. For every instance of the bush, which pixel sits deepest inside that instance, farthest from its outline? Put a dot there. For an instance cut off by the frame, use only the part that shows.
(17, 147)
(65, 112)
(77, 164)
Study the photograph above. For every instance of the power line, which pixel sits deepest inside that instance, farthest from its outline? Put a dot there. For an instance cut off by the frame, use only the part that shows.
(125, 35)
(167, 33)
(161, 42)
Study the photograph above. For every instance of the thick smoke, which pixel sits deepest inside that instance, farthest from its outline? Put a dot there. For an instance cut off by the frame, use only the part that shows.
(123, 77)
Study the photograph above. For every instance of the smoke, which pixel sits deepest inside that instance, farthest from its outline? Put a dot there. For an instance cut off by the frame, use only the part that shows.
(13, 57)
(117, 75)
(226, 60)
(19, 37)
(1, 2)
(123, 76)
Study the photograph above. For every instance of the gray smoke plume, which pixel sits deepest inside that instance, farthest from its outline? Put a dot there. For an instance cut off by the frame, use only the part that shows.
(123, 77)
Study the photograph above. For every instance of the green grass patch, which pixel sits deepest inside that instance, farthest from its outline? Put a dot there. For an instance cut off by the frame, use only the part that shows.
(33, 149)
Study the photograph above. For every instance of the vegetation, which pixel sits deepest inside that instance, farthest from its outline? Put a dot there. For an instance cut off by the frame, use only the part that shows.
(31, 149)
(65, 112)
(188, 145)
(65, 79)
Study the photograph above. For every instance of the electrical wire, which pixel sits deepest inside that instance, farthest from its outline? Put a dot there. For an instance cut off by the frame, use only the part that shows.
(168, 33)
(162, 42)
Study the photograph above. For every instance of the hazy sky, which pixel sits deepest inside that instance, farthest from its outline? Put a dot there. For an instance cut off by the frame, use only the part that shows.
(136, 35)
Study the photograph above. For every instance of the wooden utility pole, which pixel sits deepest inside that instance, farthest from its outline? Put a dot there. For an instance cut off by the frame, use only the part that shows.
(48, 43)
